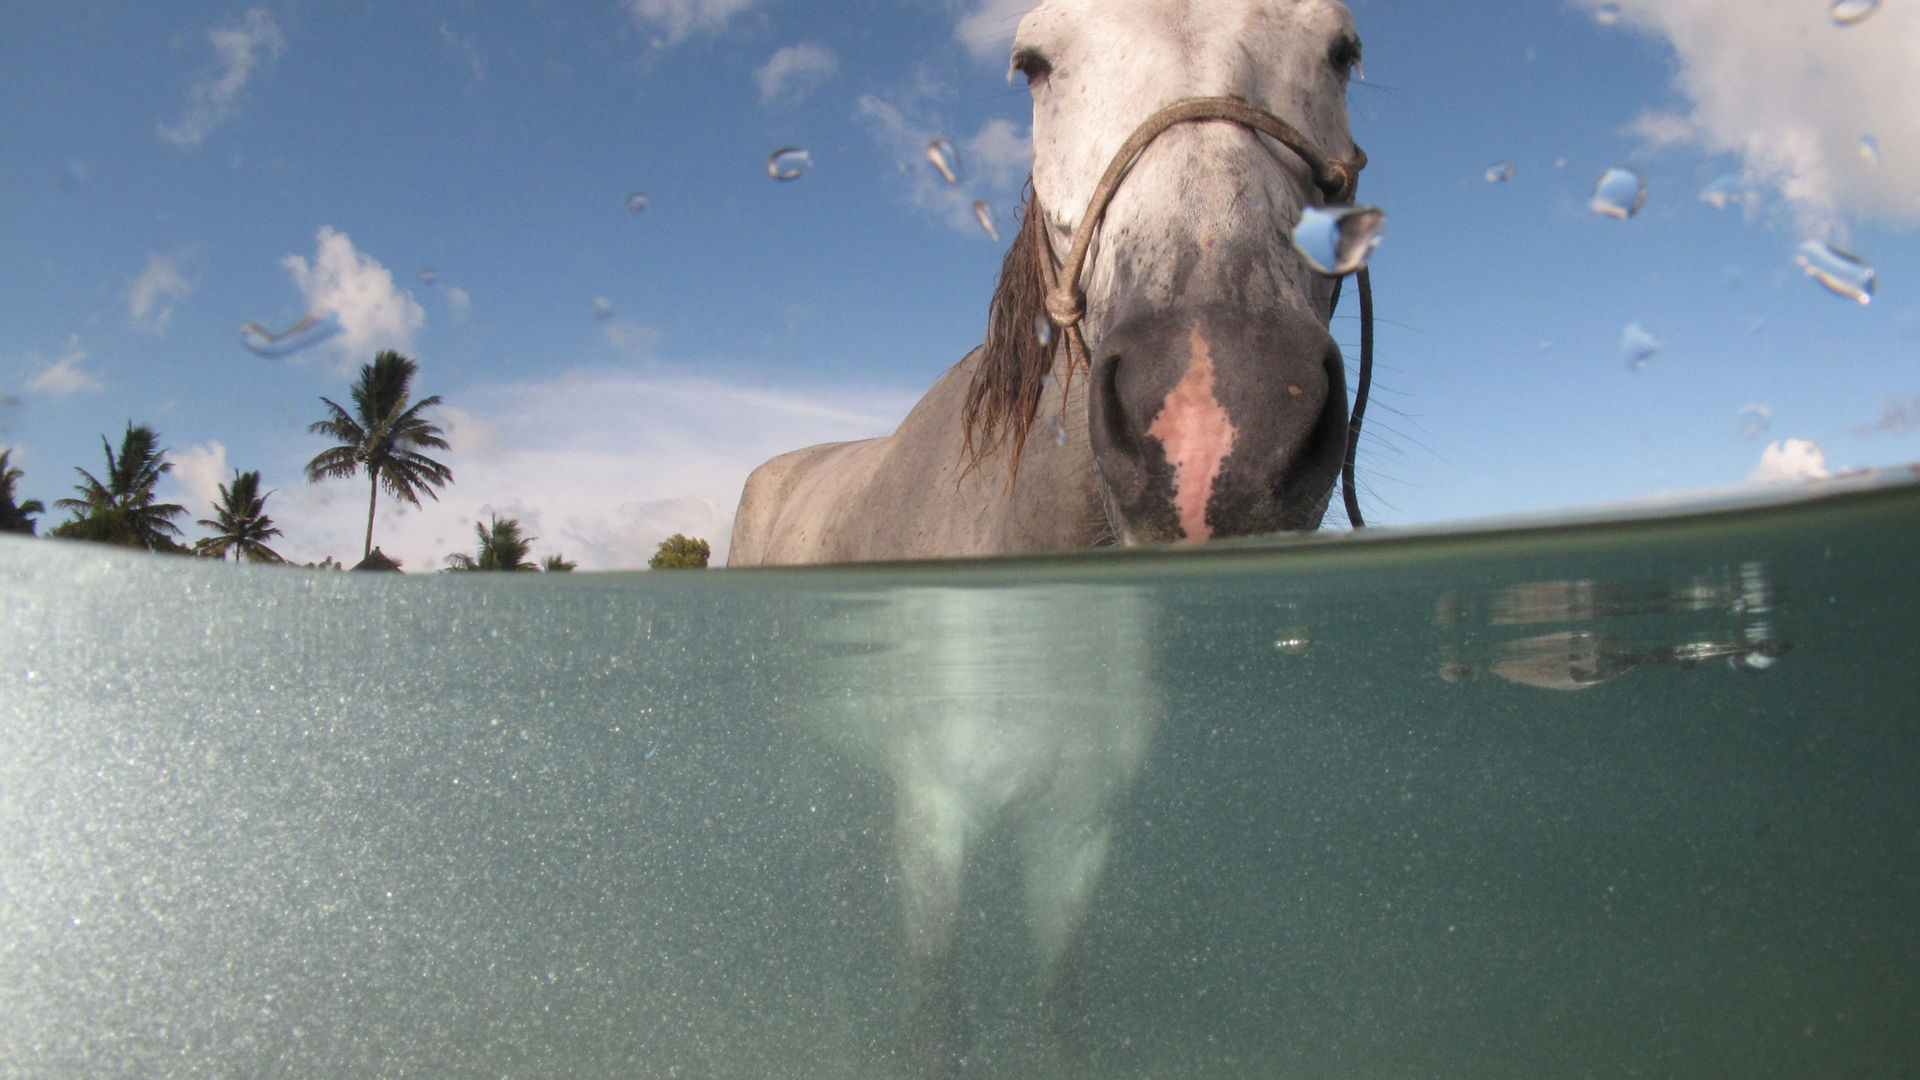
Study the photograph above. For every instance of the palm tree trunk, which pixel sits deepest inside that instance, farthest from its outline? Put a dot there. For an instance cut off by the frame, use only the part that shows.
(372, 498)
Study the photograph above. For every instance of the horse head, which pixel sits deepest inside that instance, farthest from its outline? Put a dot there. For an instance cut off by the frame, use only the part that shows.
(1216, 403)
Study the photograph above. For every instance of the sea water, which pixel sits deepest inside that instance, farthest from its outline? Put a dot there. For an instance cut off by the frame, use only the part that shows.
(1610, 796)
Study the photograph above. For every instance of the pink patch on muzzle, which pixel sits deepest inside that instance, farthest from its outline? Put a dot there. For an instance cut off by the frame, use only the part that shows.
(1197, 435)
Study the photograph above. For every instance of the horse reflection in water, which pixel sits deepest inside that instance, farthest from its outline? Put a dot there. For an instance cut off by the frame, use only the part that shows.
(1187, 387)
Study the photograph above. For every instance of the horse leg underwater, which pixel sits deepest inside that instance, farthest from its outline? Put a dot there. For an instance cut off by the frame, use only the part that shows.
(998, 720)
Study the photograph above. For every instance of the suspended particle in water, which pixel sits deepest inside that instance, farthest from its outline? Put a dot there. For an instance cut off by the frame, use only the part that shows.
(1619, 193)
(1499, 172)
(428, 275)
(1730, 190)
(1607, 14)
(1841, 273)
(1753, 420)
(1294, 641)
(1869, 150)
(1338, 240)
(945, 160)
(602, 307)
(1849, 12)
(637, 201)
(315, 328)
(789, 163)
(1043, 331)
(1637, 346)
(983, 213)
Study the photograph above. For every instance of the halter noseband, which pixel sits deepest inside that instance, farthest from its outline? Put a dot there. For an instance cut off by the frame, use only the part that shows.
(1337, 180)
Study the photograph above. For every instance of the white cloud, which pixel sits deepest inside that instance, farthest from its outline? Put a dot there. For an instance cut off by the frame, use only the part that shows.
(601, 465)
(214, 99)
(1789, 461)
(200, 470)
(64, 376)
(151, 298)
(467, 50)
(987, 28)
(675, 19)
(1777, 83)
(793, 72)
(373, 313)
(994, 161)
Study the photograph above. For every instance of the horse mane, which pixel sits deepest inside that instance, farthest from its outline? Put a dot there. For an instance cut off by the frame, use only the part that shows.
(1005, 395)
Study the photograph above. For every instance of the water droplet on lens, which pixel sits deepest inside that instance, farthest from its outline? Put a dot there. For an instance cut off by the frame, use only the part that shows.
(1730, 190)
(1499, 172)
(1637, 346)
(789, 163)
(1754, 419)
(1337, 240)
(1848, 12)
(602, 307)
(315, 328)
(983, 213)
(1607, 14)
(637, 201)
(944, 158)
(1840, 272)
(1619, 193)
(1869, 149)
(428, 275)
(1043, 329)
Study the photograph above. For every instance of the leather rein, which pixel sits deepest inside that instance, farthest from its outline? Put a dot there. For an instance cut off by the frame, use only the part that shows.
(1337, 180)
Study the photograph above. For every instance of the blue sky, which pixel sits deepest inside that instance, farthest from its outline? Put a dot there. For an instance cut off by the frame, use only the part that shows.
(451, 179)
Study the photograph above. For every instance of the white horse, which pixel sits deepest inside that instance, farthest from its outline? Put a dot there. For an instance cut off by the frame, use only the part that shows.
(1156, 326)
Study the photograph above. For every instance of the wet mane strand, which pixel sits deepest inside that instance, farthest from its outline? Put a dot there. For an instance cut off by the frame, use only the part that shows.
(1005, 395)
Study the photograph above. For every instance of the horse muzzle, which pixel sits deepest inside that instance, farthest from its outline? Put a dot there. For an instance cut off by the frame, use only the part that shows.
(1210, 423)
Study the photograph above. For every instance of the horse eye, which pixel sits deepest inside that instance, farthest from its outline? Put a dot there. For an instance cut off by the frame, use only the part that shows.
(1344, 55)
(1031, 64)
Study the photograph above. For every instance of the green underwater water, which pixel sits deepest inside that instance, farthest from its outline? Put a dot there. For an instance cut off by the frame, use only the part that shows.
(1605, 797)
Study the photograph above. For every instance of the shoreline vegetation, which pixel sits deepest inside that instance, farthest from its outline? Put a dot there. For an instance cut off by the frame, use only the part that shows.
(385, 436)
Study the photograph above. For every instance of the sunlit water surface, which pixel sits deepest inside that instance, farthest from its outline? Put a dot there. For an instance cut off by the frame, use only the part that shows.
(1617, 798)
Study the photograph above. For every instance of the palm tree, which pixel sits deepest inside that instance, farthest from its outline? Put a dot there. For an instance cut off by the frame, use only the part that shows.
(383, 435)
(15, 517)
(122, 510)
(501, 548)
(240, 523)
(558, 564)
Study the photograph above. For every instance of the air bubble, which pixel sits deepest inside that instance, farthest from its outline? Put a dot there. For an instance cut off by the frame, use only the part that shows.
(428, 275)
(637, 201)
(1637, 346)
(1337, 241)
(1869, 150)
(315, 328)
(602, 307)
(1753, 420)
(1840, 272)
(1043, 330)
(1607, 14)
(1499, 172)
(1619, 193)
(1059, 431)
(983, 213)
(944, 158)
(789, 163)
(1849, 12)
